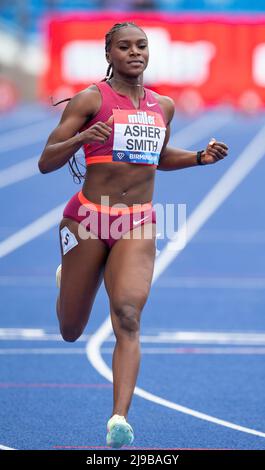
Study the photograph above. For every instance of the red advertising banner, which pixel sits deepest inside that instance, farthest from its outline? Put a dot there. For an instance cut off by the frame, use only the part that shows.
(195, 59)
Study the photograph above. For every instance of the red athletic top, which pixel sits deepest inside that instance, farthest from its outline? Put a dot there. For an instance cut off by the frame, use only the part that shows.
(139, 133)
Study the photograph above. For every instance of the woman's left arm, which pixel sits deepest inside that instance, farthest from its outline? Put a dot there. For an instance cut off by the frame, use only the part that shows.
(176, 159)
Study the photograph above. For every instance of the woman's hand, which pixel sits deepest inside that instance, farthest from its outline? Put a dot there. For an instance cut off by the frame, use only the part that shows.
(214, 152)
(99, 132)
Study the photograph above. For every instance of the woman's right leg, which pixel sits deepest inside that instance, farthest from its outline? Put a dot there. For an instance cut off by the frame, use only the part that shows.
(83, 262)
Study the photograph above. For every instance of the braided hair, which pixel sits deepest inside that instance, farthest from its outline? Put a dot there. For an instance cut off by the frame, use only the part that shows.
(72, 163)
(108, 42)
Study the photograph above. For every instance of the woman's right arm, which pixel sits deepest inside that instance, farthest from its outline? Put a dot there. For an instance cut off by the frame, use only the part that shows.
(65, 140)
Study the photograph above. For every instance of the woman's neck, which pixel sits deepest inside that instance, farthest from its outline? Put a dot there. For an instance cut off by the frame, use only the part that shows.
(128, 86)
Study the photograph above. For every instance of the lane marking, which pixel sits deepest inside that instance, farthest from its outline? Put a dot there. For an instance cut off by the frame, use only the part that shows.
(200, 129)
(31, 231)
(204, 337)
(27, 281)
(48, 351)
(235, 174)
(210, 283)
(230, 236)
(246, 161)
(27, 135)
(28, 334)
(197, 351)
(162, 337)
(94, 356)
(171, 282)
(54, 385)
(127, 447)
(151, 351)
(23, 116)
(19, 171)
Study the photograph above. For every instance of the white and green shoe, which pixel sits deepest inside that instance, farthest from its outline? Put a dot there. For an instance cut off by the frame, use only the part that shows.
(120, 432)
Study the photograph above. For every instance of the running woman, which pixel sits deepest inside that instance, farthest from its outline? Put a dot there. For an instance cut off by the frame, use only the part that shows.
(124, 130)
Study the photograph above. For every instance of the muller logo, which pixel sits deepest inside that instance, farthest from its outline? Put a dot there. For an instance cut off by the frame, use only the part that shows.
(141, 118)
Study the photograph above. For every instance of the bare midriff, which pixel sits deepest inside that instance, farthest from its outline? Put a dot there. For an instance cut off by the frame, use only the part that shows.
(123, 183)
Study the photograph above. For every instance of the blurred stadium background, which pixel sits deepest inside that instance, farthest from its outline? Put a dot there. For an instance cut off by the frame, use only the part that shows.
(203, 52)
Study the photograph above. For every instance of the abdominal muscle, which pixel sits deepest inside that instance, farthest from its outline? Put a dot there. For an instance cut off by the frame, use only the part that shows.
(123, 183)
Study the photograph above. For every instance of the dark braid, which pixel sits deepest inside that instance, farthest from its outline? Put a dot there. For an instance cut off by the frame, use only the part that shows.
(109, 73)
(108, 40)
(75, 170)
(72, 163)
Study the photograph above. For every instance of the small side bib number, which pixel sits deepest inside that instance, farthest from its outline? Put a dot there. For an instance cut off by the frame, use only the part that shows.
(68, 240)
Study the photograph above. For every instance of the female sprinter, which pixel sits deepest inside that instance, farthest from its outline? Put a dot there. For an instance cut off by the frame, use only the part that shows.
(124, 130)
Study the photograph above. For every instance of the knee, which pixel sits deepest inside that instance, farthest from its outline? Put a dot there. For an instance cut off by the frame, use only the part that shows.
(69, 329)
(128, 318)
(70, 333)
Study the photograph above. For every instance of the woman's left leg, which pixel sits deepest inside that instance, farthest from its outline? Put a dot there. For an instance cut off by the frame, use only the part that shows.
(128, 275)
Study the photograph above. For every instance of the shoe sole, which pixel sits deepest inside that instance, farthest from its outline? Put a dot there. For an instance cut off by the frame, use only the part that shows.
(120, 435)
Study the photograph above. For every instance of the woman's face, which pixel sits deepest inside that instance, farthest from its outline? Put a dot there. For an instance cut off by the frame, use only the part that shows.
(129, 52)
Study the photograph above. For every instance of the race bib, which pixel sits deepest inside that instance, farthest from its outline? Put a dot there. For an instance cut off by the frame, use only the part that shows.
(68, 240)
(138, 136)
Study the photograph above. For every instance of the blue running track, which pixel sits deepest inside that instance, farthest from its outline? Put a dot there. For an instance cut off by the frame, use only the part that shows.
(203, 328)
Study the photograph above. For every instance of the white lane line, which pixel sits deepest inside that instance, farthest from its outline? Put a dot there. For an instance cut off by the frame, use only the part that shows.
(41, 351)
(196, 351)
(204, 337)
(246, 161)
(23, 116)
(27, 135)
(165, 283)
(199, 129)
(210, 283)
(27, 334)
(162, 337)
(31, 231)
(229, 236)
(94, 356)
(19, 171)
(150, 351)
(27, 281)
